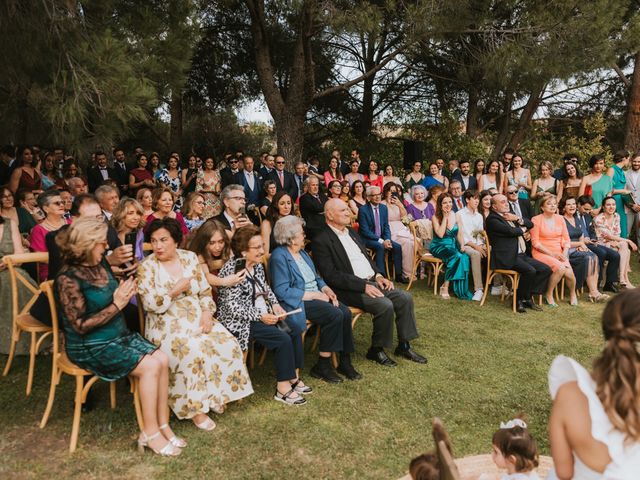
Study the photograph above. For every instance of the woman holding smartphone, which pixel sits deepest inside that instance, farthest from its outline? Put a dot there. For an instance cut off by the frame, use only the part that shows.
(250, 311)
(127, 221)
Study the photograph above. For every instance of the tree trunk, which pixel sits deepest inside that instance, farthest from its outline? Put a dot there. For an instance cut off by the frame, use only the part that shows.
(175, 130)
(632, 130)
(503, 135)
(473, 113)
(290, 138)
(365, 125)
(526, 116)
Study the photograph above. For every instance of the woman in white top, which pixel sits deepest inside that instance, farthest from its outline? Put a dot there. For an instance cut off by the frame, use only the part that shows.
(492, 178)
(518, 176)
(471, 224)
(594, 428)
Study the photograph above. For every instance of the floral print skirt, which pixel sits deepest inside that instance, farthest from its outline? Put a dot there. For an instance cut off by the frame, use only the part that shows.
(205, 371)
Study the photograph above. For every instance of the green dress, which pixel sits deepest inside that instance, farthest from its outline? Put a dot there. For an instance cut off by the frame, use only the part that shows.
(620, 183)
(552, 190)
(96, 335)
(600, 189)
(24, 295)
(457, 263)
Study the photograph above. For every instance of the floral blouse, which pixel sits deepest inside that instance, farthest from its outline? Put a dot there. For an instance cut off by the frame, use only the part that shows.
(604, 227)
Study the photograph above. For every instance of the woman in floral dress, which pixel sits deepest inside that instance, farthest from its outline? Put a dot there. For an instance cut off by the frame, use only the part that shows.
(206, 368)
(172, 177)
(208, 184)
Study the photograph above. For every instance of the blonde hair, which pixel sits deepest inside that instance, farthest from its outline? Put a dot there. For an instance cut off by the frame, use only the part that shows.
(616, 371)
(120, 212)
(77, 241)
(188, 207)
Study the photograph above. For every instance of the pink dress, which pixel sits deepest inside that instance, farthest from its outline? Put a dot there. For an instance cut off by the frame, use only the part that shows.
(38, 244)
(401, 234)
(554, 239)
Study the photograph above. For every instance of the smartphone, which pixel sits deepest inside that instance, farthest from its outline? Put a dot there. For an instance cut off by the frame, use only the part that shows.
(130, 239)
(241, 264)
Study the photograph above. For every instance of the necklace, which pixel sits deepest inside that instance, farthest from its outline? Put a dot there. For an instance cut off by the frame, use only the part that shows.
(50, 226)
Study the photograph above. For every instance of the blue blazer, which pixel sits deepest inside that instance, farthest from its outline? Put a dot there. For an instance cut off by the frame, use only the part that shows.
(253, 196)
(367, 228)
(288, 284)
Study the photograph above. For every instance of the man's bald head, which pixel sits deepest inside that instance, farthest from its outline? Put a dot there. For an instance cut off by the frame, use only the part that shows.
(500, 203)
(337, 213)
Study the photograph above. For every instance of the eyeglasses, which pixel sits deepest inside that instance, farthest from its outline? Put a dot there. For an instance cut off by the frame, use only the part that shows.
(241, 199)
(279, 163)
(511, 192)
(233, 161)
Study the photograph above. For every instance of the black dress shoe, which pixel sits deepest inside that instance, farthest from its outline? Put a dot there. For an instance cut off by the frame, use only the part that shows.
(410, 354)
(324, 372)
(379, 356)
(402, 280)
(611, 287)
(532, 305)
(348, 371)
(520, 307)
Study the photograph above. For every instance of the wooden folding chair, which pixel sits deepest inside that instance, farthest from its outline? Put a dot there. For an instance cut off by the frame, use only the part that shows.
(146, 248)
(512, 275)
(419, 255)
(22, 320)
(60, 364)
(448, 468)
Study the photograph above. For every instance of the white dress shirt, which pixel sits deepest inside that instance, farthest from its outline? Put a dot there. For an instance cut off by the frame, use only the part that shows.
(359, 262)
(471, 222)
(251, 181)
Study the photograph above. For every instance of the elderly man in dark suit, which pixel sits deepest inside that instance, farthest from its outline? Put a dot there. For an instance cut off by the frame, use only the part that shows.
(284, 180)
(508, 251)
(521, 207)
(374, 229)
(312, 208)
(342, 261)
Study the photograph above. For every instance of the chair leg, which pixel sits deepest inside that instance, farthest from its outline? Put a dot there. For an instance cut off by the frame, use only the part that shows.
(112, 394)
(354, 320)
(55, 376)
(513, 287)
(263, 357)
(32, 362)
(316, 340)
(334, 359)
(436, 274)
(77, 411)
(252, 354)
(15, 337)
(136, 403)
(490, 276)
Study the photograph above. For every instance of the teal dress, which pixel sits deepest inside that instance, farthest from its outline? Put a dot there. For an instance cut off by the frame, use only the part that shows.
(600, 189)
(620, 183)
(457, 263)
(96, 335)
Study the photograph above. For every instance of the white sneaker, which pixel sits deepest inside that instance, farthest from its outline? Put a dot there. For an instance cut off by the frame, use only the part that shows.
(477, 296)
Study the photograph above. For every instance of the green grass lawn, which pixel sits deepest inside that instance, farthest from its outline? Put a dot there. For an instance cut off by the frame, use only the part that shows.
(485, 365)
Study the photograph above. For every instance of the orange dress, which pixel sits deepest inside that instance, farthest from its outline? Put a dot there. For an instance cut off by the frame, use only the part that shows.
(554, 239)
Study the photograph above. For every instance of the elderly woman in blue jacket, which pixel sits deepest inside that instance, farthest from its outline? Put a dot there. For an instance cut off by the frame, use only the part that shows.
(297, 285)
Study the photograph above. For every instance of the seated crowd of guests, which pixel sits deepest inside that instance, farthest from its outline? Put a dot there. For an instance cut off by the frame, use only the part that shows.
(211, 285)
(242, 255)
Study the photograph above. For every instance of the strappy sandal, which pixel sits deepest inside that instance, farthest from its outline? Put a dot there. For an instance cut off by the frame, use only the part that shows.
(601, 297)
(287, 400)
(169, 450)
(303, 389)
(175, 441)
(206, 425)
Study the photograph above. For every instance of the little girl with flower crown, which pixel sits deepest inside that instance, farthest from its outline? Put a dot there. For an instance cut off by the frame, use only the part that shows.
(515, 450)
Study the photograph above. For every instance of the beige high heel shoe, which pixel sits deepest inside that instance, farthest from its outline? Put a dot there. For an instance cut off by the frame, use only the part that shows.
(444, 292)
(175, 441)
(169, 450)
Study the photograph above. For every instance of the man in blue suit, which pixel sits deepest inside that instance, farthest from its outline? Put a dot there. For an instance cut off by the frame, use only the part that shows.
(374, 229)
(583, 220)
(465, 177)
(252, 185)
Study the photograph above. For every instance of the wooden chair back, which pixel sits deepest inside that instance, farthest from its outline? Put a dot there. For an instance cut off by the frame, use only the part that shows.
(146, 248)
(17, 278)
(448, 468)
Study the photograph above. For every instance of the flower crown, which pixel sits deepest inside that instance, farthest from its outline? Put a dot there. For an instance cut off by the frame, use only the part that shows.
(516, 422)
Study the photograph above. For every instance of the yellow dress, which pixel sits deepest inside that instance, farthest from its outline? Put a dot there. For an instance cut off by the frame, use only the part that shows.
(205, 370)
